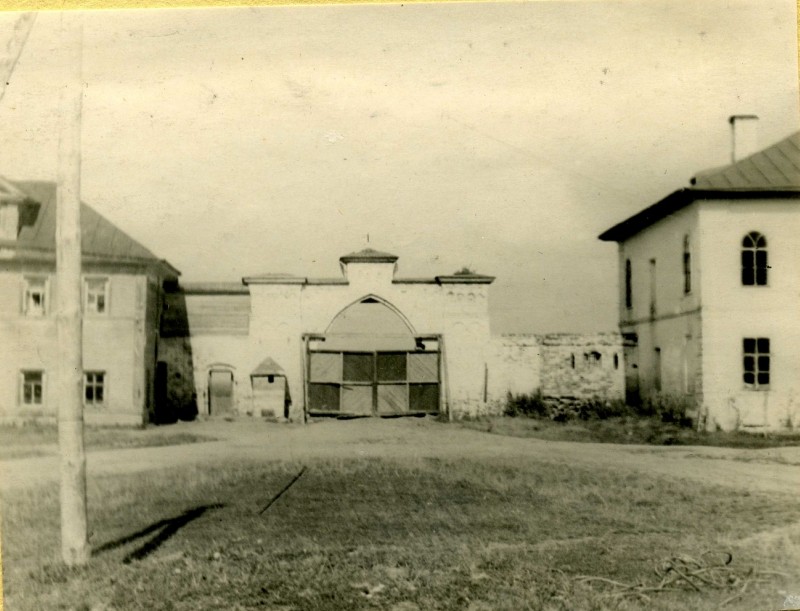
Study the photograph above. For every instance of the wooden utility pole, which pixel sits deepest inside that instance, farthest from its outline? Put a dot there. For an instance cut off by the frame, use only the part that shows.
(74, 541)
(22, 28)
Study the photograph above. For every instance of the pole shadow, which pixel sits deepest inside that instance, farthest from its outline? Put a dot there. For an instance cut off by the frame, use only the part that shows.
(165, 529)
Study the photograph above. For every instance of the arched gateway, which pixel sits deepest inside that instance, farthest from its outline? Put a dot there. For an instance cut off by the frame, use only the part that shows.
(369, 362)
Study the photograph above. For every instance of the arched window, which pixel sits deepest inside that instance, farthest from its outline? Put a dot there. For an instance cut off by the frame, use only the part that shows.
(754, 259)
(687, 266)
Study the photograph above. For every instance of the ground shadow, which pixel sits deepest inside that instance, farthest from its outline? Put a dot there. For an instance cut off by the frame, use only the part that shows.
(165, 529)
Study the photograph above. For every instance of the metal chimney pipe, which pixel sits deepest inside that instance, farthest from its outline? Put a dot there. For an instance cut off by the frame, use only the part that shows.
(744, 136)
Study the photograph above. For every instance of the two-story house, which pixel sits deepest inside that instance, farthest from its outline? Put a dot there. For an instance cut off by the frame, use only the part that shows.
(710, 292)
(123, 286)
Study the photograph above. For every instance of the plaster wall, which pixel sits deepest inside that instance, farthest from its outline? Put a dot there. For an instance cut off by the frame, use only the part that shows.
(732, 312)
(282, 313)
(514, 367)
(113, 342)
(665, 319)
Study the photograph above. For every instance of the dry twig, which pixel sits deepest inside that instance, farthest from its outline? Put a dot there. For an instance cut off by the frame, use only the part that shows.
(711, 571)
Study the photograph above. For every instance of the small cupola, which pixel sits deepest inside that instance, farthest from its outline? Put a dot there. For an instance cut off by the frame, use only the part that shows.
(368, 264)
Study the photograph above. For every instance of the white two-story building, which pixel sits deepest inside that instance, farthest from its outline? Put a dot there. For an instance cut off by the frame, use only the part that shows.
(710, 292)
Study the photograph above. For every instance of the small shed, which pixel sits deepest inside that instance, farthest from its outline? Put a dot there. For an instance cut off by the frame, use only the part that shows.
(270, 391)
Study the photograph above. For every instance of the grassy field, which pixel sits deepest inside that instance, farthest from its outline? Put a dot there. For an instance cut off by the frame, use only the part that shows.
(401, 535)
(628, 430)
(41, 440)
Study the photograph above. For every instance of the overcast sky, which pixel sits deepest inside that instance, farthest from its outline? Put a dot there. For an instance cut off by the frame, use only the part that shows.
(503, 137)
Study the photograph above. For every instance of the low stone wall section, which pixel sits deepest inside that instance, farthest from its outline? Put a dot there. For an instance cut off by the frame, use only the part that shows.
(582, 366)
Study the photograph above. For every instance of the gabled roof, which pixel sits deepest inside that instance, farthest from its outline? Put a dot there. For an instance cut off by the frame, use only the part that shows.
(771, 173)
(776, 167)
(99, 237)
(268, 367)
(369, 255)
(9, 192)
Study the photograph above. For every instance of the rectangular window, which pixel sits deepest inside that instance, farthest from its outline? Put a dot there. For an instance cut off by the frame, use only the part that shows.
(756, 363)
(94, 387)
(653, 287)
(32, 389)
(35, 297)
(687, 266)
(628, 284)
(95, 291)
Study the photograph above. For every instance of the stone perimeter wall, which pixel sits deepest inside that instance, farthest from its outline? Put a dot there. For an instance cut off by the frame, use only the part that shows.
(564, 366)
(582, 366)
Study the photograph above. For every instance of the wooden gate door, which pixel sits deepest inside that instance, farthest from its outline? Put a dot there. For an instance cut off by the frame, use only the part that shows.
(373, 383)
(220, 392)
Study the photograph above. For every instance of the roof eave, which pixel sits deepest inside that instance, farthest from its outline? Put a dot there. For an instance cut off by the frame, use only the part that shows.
(465, 279)
(247, 280)
(368, 259)
(681, 198)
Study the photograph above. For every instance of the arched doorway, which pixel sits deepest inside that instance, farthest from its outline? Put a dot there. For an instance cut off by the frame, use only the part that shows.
(220, 391)
(370, 362)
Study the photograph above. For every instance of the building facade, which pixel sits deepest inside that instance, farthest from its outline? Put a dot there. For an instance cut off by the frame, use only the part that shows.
(122, 295)
(709, 283)
(368, 343)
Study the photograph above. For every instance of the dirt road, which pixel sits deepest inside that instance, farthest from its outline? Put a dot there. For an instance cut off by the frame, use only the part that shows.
(773, 470)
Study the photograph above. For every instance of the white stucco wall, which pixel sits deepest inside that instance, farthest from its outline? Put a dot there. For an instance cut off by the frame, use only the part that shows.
(114, 343)
(732, 312)
(514, 367)
(282, 313)
(700, 335)
(674, 326)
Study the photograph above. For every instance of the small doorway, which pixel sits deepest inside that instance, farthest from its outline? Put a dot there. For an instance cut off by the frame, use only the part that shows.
(630, 358)
(220, 392)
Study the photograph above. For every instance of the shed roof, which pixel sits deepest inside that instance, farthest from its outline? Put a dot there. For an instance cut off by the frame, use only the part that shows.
(215, 288)
(268, 367)
(771, 173)
(99, 237)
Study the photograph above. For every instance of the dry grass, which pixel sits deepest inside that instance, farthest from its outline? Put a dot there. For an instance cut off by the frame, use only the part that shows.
(629, 430)
(32, 440)
(416, 534)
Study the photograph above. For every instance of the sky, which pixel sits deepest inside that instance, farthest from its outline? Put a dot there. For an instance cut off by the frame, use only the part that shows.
(499, 136)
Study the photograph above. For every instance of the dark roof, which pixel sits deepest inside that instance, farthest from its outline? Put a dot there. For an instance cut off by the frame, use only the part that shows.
(771, 173)
(776, 167)
(268, 367)
(214, 288)
(9, 192)
(99, 237)
(369, 255)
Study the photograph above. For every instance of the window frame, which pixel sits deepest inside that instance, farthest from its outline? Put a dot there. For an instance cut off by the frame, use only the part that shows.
(757, 357)
(27, 292)
(749, 274)
(92, 310)
(687, 265)
(592, 359)
(23, 383)
(94, 385)
(628, 285)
